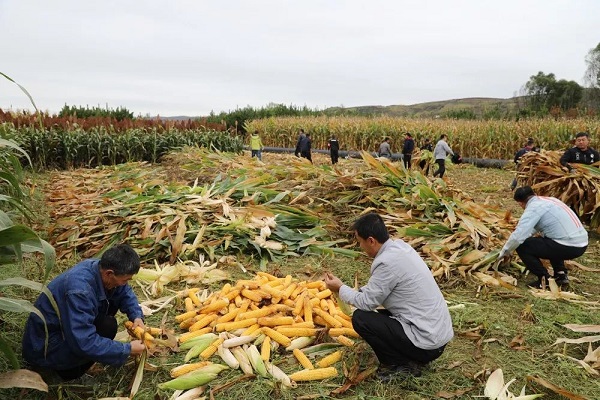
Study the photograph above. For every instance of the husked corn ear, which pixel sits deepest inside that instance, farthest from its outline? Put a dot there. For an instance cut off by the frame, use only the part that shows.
(238, 341)
(154, 331)
(316, 285)
(302, 359)
(251, 294)
(314, 374)
(228, 317)
(345, 323)
(299, 308)
(308, 317)
(296, 332)
(230, 326)
(185, 368)
(331, 321)
(212, 349)
(202, 322)
(231, 296)
(323, 294)
(252, 330)
(189, 305)
(345, 340)
(198, 377)
(190, 335)
(215, 306)
(276, 336)
(185, 315)
(247, 284)
(138, 332)
(267, 275)
(195, 299)
(191, 342)
(225, 289)
(275, 321)
(289, 290)
(330, 359)
(265, 349)
(261, 312)
(343, 331)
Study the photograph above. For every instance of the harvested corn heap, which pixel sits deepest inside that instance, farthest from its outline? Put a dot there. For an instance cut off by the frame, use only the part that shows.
(269, 312)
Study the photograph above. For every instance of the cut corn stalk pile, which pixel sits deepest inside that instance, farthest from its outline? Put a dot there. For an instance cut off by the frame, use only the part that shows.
(591, 361)
(281, 315)
(579, 190)
(286, 207)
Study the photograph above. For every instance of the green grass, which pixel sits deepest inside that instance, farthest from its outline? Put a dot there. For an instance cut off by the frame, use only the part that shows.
(494, 314)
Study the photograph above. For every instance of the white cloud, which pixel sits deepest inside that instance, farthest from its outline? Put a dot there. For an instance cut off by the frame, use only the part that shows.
(191, 57)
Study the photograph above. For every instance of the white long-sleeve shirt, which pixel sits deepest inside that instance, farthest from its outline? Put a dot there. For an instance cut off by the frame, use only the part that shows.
(402, 283)
(441, 150)
(551, 217)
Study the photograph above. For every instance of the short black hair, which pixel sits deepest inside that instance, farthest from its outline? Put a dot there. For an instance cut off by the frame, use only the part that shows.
(122, 259)
(530, 142)
(443, 136)
(523, 193)
(371, 225)
(580, 134)
(408, 134)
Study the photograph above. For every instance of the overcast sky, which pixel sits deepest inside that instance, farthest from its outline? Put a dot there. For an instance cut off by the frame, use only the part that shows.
(191, 57)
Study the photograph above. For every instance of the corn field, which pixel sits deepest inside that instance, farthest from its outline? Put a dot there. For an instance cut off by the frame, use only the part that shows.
(57, 148)
(476, 139)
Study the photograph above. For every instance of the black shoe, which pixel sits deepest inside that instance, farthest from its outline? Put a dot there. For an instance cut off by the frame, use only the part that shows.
(537, 284)
(561, 278)
(388, 373)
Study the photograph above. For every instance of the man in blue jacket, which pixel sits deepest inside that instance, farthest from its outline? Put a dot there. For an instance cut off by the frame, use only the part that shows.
(88, 297)
(563, 236)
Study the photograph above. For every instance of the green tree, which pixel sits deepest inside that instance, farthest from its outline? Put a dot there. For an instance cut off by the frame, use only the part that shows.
(545, 92)
(592, 79)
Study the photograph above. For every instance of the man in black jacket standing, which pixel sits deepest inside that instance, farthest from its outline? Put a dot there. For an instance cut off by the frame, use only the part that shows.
(581, 153)
(334, 147)
(407, 150)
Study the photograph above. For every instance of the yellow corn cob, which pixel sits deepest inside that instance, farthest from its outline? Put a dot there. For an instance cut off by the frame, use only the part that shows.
(343, 315)
(275, 321)
(267, 275)
(261, 312)
(294, 332)
(276, 336)
(330, 359)
(202, 322)
(225, 289)
(265, 350)
(302, 359)
(299, 288)
(345, 323)
(301, 324)
(189, 305)
(185, 368)
(320, 321)
(212, 349)
(138, 332)
(331, 321)
(190, 335)
(187, 323)
(332, 307)
(308, 317)
(216, 305)
(232, 295)
(299, 308)
(253, 306)
(186, 315)
(316, 285)
(230, 316)
(195, 299)
(288, 290)
(154, 331)
(314, 302)
(251, 294)
(287, 281)
(230, 326)
(247, 284)
(343, 331)
(314, 374)
(271, 291)
(323, 305)
(290, 303)
(238, 301)
(323, 294)
(244, 304)
(252, 330)
(345, 340)
(274, 284)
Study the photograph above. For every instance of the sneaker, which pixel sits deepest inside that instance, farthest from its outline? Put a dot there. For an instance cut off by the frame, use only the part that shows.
(561, 278)
(388, 373)
(537, 284)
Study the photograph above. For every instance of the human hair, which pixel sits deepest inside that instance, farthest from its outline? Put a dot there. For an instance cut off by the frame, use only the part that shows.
(530, 142)
(443, 136)
(122, 259)
(408, 134)
(371, 225)
(523, 193)
(580, 134)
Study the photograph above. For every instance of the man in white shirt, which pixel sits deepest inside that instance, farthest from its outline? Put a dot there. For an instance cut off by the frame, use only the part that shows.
(562, 236)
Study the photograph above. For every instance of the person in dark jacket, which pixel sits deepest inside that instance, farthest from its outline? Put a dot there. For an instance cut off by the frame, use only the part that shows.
(334, 147)
(301, 136)
(423, 164)
(305, 145)
(407, 150)
(82, 331)
(529, 146)
(581, 153)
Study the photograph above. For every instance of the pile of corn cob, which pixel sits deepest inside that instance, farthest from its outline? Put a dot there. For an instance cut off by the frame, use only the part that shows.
(266, 311)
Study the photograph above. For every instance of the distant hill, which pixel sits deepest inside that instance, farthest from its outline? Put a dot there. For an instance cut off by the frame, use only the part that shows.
(480, 106)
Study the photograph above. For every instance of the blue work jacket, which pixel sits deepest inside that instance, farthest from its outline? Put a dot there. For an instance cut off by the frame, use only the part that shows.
(72, 341)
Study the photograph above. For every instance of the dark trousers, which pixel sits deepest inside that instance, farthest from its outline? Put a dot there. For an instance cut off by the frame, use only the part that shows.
(388, 340)
(533, 249)
(424, 166)
(334, 156)
(106, 326)
(441, 168)
(406, 159)
(307, 155)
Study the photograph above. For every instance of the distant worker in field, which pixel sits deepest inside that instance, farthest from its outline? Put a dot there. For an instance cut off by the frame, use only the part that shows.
(414, 325)
(440, 153)
(407, 150)
(423, 164)
(581, 153)
(256, 145)
(305, 147)
(301, 136)
(334, 148)
(385, 150)
(563, 237)
(529, 146)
